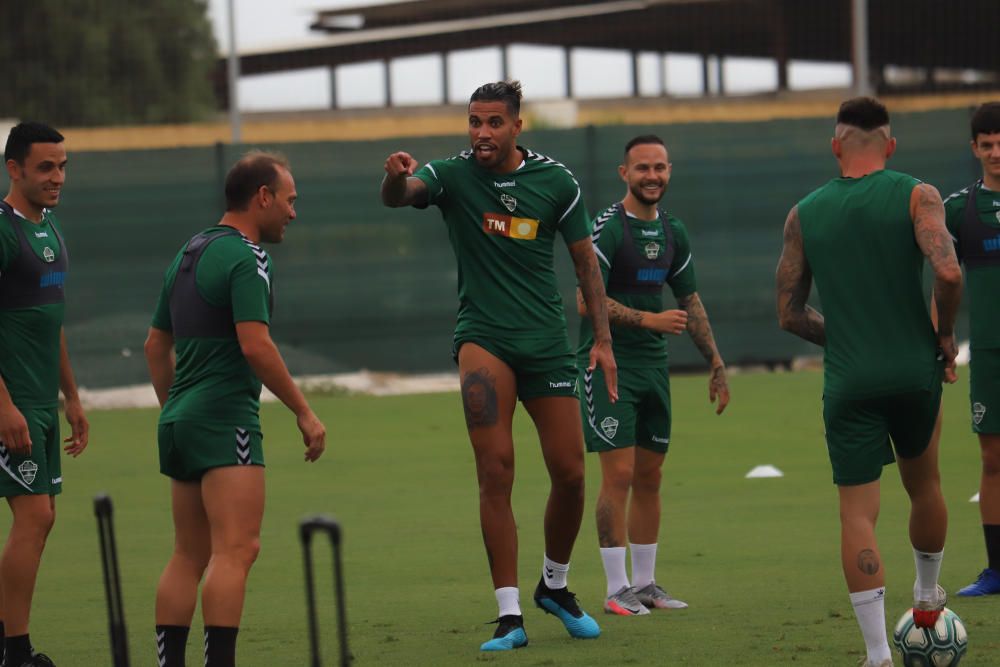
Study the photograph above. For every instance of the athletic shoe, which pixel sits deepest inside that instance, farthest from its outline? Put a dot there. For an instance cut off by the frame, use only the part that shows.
(36, 660)
(509, 634)
(624, 603)
(867, 663)
(926, 612)
(562, 604)
(988, 583)
(655, 597)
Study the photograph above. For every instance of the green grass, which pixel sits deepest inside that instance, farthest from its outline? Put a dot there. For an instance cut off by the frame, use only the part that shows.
(756, 559)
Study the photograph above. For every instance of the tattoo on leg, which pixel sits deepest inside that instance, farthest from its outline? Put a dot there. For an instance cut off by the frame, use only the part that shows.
(605, 524)
(479, 398)
(868, 561)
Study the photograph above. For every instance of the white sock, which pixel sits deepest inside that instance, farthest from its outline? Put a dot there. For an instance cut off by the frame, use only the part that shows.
(614, 568)
(554, 574)
(509, 601)
(643, 564)
(869, 607)
(928, 570)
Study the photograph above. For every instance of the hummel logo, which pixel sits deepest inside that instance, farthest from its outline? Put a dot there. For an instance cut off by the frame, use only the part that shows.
(650, 232)
(242, 447)
(549, 572)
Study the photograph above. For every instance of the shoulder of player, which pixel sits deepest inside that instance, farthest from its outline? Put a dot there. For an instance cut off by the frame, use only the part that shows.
(236, 248)
(455, 162)
(608, 219)
(549, 166)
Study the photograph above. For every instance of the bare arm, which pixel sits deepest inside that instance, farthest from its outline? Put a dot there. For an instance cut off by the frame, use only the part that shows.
(265, 360)
(75, 417)
(793, 283)
(159, 351)
(936, 243)
(588, 277)
(399, 186)
(700, 330)
(620, 315)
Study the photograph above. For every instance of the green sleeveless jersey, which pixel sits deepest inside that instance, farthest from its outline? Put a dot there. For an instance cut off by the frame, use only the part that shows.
(502, 228)
(212, 381)
(30, 338)
(860, 245)
(635, 347)
(982, 283)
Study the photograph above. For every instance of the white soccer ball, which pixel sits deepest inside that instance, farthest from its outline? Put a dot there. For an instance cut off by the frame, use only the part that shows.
(940, 646)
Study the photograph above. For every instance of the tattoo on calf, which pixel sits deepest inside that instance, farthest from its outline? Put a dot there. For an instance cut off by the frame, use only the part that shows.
(868, 561)
(605, 529)
(479, 398)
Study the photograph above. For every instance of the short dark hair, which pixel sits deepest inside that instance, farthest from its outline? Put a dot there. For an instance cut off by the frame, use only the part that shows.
(245, 178)
(508, 92)
(864, 113)
(986, 119)
(643, 139)
(23, 135)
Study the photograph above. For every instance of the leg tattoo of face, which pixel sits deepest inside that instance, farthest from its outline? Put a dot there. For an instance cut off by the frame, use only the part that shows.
(479, 398)
(868, 561)
(605, 525)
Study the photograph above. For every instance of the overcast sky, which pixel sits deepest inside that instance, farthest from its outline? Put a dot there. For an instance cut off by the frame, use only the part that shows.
(264, 23)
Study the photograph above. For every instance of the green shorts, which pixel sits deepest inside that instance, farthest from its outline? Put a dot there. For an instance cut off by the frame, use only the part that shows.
(41, 472)
(861, 433)
(541, 367)
(984, 390)
(190, 449)
(640, 417)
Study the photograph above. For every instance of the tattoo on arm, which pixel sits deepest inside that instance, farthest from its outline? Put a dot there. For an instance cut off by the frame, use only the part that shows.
(699, 328)
(618, 314)
(868, 561)
(588, 277)
(793, 281)
(479, 398)
(935, 242)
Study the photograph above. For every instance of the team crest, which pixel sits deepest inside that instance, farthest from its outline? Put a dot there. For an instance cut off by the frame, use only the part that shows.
(508, 201)
(28, 469)
(610, 426)
(48, 254)
(978, 412)
(652, 250)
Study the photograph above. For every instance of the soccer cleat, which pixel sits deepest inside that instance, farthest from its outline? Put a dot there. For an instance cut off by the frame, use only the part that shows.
(36, 660)
(865, 662)
(562, 604)
(624, 603)
(988, 583)
(926, 612)
(509, 634)
(655, 597)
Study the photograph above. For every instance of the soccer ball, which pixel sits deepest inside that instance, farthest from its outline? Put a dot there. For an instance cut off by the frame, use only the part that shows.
(940, 646)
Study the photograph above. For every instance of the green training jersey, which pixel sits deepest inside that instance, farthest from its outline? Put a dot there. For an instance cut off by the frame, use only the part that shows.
(635, 347)
(213, 381)
(860, 245)
(502, 228)
(982, 283)
(30, 337)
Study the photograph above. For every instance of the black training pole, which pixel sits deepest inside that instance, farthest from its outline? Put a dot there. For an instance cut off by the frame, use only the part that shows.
(112, 582)
(329, 526)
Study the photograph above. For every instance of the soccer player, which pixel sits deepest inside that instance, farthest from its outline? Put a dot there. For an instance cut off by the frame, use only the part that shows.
(214, 311)
(503, 205)
(973, 216)
(640, 249)
(34, 366)
(863, 238)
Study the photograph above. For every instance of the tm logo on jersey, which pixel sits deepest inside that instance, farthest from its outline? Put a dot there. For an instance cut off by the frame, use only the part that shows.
(505, 225)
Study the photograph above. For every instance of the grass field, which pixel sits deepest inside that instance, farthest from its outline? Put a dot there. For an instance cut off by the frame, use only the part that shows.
(756, 559)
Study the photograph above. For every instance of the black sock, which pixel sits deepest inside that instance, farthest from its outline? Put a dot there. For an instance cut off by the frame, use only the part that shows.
(220, 646)
(2, 636)
(17, 649)
(992, 534)
(171, 642)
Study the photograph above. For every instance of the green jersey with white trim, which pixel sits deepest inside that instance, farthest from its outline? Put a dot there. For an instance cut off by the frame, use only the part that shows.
(982, 283)
(213, 381)
(502, 228)
(31, 335)
(636, 347)
(860, 245)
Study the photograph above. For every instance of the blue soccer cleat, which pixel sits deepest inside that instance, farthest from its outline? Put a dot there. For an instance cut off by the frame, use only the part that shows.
(988, 583)
(509, 635)
(562, 604)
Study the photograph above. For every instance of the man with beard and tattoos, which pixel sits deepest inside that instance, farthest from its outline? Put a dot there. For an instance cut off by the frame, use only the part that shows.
(503, 205)
(863, 238)
(640, 249)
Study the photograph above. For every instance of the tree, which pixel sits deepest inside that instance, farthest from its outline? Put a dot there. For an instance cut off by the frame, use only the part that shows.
(104, 62)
